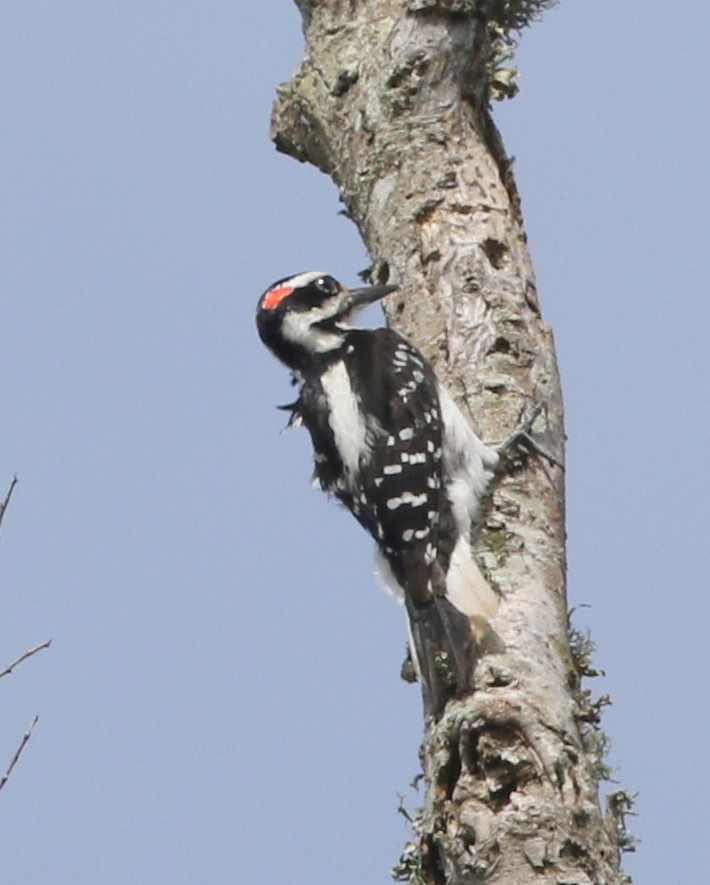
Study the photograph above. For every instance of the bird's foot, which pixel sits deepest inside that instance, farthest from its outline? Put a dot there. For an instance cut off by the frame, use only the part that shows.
(522, 437)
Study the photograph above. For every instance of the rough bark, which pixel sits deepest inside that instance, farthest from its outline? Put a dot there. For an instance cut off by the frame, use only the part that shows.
(391, 101)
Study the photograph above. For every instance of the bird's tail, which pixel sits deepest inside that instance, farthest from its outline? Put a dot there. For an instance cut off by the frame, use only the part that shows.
(447, 631)
(447, 628)
(443, 646)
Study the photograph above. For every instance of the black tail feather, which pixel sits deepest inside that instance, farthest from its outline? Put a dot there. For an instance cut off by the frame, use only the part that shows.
(444, 651)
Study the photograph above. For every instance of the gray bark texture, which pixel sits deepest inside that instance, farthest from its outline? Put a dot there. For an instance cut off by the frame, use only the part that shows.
(391, 101)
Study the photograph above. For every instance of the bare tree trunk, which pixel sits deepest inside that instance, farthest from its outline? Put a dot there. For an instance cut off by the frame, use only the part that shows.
(391, 100)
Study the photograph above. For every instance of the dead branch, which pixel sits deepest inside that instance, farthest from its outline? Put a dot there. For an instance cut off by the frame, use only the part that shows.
(23, 743)
(3, 506)
(24, 656)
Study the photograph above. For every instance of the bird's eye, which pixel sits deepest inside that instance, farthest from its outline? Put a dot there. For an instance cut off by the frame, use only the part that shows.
(327, 285)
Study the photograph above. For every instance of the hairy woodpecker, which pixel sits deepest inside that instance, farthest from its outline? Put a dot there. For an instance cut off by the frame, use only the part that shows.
(393, 447)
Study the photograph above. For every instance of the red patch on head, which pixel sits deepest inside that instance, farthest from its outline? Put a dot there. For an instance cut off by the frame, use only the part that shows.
(275, 296)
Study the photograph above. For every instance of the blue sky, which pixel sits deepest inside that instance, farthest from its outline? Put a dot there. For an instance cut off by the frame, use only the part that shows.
(221, 701)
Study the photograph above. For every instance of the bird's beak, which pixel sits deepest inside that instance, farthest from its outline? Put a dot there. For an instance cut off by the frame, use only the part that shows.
(362, 297)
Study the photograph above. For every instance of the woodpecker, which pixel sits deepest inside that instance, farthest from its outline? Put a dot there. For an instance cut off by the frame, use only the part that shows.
(393, 447)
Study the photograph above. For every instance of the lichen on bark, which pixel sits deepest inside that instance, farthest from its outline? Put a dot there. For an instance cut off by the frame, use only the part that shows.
(392, 101)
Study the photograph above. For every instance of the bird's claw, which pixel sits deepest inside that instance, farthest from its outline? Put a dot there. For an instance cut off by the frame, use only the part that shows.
(522, 437)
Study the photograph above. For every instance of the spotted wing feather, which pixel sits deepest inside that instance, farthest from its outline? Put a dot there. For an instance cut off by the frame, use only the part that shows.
(404, 502)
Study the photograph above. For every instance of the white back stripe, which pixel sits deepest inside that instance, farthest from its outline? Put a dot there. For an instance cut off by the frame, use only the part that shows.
(346, 419)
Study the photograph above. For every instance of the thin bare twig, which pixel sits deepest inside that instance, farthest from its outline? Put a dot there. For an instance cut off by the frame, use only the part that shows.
(13, 762)
(3, 506)
(402, 810)
(24, 656)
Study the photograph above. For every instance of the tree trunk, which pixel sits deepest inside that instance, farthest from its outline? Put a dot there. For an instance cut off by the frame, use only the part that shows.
(391, 100)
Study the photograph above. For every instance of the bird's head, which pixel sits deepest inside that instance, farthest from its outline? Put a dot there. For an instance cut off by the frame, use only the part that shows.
(307, 314)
